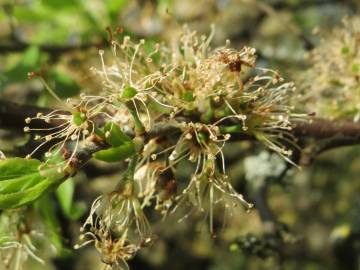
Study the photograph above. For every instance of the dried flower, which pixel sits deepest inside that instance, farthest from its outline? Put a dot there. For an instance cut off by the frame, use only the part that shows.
(115, 251)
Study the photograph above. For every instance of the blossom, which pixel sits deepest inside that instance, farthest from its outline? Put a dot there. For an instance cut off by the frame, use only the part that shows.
(115, 251)
(330, 85)
(202, 96)
(208, 190)
(153, 181)
(118, 211)
(117, 226)
(133, 78)
(66, 126)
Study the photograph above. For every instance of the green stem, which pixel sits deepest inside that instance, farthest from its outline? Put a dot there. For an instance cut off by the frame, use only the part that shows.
(132, 166)
(50, 90)
(139, 127)
(231, 129)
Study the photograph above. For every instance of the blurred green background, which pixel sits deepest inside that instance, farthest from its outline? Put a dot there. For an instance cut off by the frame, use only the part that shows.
(317, 208)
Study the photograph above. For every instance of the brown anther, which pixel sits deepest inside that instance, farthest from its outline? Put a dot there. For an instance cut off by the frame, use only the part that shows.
(66, 153)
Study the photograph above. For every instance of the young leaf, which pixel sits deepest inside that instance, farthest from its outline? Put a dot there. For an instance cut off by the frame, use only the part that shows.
(65, 195)
(45, 206)
(115, 154)
(22, 181)
(123, 146)
(115, 136)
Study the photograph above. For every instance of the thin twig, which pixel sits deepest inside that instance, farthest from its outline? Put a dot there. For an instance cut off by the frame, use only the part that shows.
(12, 115)
(336, 132)
(52, 49)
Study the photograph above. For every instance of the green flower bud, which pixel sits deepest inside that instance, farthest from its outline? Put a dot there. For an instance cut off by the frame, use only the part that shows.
(129, 92)
(78, 118)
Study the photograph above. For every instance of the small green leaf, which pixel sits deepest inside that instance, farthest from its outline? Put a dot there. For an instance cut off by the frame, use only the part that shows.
(115, 135)
(65, 195)
(45, 206)
(155, 106)
(23, 13)
(123, 146)
(115, 154)
(23, 181)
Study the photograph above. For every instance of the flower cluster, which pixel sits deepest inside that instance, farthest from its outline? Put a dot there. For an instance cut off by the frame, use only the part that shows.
(201, 96)
(330, 86)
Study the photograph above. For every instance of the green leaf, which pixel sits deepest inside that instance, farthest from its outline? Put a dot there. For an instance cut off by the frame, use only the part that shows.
(115, 154)
(155, 106)
(45, 206)
(23, 181)
(12, 168)
(123, 146)
(116, 137)
(65, 195)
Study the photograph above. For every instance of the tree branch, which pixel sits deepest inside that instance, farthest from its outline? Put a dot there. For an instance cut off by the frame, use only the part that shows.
(310, 152)
(319, 128)
(336, 132)
(52, 49)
